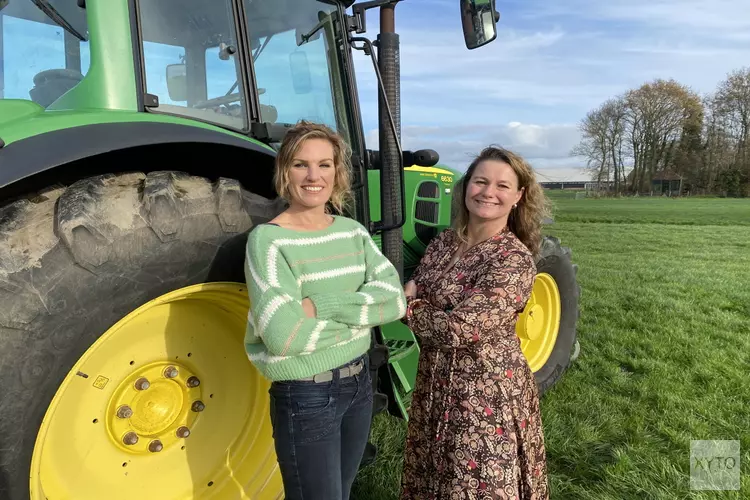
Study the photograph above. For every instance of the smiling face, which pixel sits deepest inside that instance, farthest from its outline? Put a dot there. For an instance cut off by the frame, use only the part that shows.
(492, 191)
(312, 174)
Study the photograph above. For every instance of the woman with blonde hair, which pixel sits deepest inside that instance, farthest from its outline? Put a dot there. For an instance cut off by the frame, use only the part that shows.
(475, 429)
(317, 284)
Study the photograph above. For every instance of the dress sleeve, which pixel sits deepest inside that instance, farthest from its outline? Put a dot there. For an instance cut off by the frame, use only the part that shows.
(500, 293)
(430, 255)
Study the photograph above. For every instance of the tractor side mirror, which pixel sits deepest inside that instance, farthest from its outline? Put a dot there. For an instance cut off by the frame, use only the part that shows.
(177, 82)
(300, 69)
(479, 21)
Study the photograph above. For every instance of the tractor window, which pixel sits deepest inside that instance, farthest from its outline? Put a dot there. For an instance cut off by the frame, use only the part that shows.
(190, 54)
(223, 81)
(39, 60)
(297, 80)
(156, 57)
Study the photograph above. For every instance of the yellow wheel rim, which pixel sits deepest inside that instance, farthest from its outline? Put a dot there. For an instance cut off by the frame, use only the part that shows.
(164, 405)
(539, 323)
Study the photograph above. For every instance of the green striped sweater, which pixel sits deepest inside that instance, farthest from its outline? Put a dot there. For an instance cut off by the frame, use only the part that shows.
(353, 286)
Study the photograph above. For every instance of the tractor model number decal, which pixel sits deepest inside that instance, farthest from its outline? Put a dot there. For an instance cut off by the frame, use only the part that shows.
(101, 382)
(446, 178)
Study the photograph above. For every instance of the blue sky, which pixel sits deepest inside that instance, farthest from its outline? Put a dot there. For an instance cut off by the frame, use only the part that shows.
(553, 61)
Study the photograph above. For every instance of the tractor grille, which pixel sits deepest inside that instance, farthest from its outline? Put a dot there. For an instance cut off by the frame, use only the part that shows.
(429, 190)
(427, 211)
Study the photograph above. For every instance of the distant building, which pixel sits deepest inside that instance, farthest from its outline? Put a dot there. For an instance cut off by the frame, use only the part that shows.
(600, 186)
(564, 185)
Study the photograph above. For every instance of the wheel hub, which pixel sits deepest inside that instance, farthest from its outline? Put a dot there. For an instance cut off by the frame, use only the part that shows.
(533, 323)
(153, 411)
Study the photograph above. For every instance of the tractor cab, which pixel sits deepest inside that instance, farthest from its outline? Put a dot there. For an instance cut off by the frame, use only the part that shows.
(232, 64)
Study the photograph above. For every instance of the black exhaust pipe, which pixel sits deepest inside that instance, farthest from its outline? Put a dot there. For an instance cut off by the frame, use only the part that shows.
(391, 171)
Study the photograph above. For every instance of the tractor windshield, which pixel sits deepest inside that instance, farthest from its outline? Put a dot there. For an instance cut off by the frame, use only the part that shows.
(44, 50)
(298, 70)
(193, 60)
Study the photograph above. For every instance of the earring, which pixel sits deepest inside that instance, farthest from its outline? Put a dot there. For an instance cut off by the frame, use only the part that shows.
(515, 205)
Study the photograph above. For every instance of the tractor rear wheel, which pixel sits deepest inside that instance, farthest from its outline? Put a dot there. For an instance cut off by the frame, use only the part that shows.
(547, 326)
(121, 342)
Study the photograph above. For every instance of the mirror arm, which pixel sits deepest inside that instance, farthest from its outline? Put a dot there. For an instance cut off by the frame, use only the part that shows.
(309, 35)
(368, 50)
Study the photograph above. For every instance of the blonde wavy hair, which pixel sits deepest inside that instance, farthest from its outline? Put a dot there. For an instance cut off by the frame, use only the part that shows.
(341, 192)
(525, 221)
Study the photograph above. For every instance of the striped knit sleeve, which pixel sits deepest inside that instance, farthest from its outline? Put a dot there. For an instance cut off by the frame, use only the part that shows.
(276, 313)
(379, 300)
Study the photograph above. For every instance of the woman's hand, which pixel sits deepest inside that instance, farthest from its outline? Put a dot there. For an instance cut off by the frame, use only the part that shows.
(309, 307)
(410, 289)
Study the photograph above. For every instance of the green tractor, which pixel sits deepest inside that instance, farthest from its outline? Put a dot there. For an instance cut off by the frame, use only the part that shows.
(121, 247)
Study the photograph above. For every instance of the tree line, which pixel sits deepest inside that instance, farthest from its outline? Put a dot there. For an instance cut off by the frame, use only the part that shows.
(664, 130)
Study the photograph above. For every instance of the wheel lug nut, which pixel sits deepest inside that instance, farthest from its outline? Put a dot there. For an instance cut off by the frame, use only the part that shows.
(130, 438)
(124, 412)
(142, 384)
(198, 406)
(193, 382)
(170, 372)
(155, 446)
(183, 432)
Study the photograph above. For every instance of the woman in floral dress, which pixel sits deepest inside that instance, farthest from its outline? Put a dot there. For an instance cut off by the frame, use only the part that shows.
(475, 429)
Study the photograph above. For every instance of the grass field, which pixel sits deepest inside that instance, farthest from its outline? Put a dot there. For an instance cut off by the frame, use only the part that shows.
(665, 352)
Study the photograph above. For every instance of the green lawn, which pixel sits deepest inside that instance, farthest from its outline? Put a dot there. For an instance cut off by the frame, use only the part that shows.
(653, 210)
(665, 352)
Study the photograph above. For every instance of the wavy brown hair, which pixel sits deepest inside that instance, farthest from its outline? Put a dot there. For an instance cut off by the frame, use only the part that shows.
(525, 221)
(341, 192)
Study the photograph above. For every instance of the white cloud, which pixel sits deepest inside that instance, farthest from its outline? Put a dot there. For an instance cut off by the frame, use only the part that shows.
(546, 147)
(716, 18)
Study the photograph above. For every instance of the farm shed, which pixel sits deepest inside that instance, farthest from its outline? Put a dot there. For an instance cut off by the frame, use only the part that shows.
(666, 182)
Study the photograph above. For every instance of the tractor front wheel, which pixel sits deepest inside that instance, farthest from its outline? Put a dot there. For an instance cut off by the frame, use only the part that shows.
(121, 343)
(547, 326)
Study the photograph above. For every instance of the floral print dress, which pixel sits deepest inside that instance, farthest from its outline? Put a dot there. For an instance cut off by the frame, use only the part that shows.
(475, 430)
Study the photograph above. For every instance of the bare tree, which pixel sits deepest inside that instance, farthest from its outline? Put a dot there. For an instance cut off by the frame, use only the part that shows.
(732, 107)
(615, 113)
(719, 149)
(602, 132)
(663, 126)
(657, 115)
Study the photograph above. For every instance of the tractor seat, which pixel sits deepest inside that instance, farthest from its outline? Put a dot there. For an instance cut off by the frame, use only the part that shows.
(51, 84)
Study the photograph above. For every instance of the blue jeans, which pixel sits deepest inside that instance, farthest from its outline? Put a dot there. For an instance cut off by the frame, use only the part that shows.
(320, 431)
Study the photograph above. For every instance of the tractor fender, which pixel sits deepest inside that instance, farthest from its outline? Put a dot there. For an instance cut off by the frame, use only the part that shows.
(24, 159)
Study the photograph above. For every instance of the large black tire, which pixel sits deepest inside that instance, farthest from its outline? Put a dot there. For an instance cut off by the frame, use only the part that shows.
(75, 260)
(555, 260)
